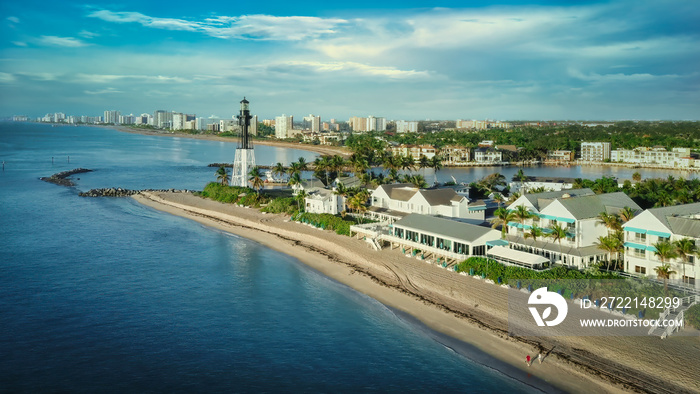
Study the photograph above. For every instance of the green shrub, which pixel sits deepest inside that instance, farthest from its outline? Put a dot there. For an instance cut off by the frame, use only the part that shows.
(327, 221)
(286, 205)
(692, 316)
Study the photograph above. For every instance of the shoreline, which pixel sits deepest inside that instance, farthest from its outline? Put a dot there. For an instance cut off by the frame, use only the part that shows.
(455, 306)
(320, 149)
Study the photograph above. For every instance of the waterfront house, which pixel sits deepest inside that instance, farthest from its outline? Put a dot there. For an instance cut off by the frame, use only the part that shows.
(547, 183)
(394, 201)
(658, 225)
(487, 155)
(320, 200)
(654, 157)
(454, 155)
(577, 211)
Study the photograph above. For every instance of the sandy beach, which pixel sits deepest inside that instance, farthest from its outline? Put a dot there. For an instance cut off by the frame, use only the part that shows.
(321, 149)
(460, 307)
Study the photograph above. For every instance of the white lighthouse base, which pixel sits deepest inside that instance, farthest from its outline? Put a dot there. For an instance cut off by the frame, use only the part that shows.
(243, 162)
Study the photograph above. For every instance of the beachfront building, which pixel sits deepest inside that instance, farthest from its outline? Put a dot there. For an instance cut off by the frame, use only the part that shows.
(595, 151)
(440, 237)
(667, 224)
(560, 156)
(546, 183)
(577, 212)
(454, 155)
(487, 155)
(657, 156)
(284, 126)
(312, 123)
(320, 200)
(394, 201)
(415, 151)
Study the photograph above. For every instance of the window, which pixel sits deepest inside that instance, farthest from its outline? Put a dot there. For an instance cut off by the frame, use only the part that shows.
(640, 270)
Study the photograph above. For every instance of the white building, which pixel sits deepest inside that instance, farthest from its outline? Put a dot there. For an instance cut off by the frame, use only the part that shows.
(111, 117)
(393, 201)
(319, 200)
(454, 155)
(577, 211)
(535, 182)
(283, 126)
(415, 151)
(162, 119)
(657, 157)
(203, 123)
(403, 126)
(253, 129)
(487, 155)
(659, 225)
(595, 151)
(312, 123)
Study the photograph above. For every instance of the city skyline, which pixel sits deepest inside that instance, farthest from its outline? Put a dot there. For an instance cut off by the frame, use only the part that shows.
(514, 60)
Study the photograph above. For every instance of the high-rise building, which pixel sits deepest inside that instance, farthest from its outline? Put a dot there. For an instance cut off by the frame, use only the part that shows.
(283, 126)
(312, 123)
(595, 151)
(162, 119)
(112, 117)
(403, 126)
(254, 125)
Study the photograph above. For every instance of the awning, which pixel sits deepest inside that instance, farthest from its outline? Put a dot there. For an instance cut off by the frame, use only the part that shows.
(514, 224)
(570, 235)
(634, 245)
(659, 234)
(515, 256)
(636, 230)
(566, 220)
(651, 249)
(478, 208)
(497, 242)
(548, 217)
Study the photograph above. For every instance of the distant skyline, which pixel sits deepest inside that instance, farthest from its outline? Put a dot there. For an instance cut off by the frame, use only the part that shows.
(507, 60)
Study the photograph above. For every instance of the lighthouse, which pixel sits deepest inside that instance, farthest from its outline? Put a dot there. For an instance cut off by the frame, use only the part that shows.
(244, 159)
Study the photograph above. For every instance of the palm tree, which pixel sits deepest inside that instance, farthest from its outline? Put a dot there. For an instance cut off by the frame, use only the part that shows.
(578, 184)
(294, 180)
(256, 178)
(664, 272)
(521, 213)
(498, 198)
(279, 169)
(423, 162)
(490, 182)
(222, 175)
(558, 233)
(534, 233)
(418, 181)
(303, 165)
(436, 165)
(637, 176)
(502, 217)
(627, 213)
(609, 244)
(301, 196)
(611, 221)
(513, 196)
(522, 178)
(408, 163)
(685, 248)
(294, 168)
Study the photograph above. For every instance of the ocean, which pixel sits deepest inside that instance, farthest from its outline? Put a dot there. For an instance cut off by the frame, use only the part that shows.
(107, 295)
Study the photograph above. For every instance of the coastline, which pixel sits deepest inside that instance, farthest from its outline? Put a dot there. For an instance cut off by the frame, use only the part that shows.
(459, 307)
(321, 149)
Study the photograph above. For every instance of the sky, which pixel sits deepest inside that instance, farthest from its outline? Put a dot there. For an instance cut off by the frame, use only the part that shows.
(502, 60)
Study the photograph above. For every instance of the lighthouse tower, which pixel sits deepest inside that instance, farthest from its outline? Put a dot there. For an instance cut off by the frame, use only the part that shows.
(244, 160)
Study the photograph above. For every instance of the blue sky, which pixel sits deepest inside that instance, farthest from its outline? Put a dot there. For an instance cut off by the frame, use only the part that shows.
(399, 59)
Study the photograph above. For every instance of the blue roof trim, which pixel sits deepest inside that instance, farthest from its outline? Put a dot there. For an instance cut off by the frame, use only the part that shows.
(478, 208)
(636, 230)
(635, 246)
(566, 220)
(548, 217)
(651, 249)
(497, 242)
(659, 234)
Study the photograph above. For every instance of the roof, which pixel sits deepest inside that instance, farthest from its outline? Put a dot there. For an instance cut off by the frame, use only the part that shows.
(349, 181)
(313, 183)
(673, 218)
(445, 227)
(510, 254)
(587, 207)
(440, 196)
(548, 179)
(541, 200)
(399, 191)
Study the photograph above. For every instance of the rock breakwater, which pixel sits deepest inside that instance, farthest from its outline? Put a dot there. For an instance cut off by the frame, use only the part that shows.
(119, 192)
(60, 178)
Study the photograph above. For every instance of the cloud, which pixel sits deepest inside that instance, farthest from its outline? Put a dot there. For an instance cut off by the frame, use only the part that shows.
(103, 91)
(19, 43)
(359, 68)
(88, 34)
(619, 77)
(6, 77)
(61, 41)
(13, 19)
(250, 27)
(109, 78)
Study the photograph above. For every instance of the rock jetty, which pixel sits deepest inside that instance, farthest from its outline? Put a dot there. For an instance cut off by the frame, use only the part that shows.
(60, 178)
(119, 192)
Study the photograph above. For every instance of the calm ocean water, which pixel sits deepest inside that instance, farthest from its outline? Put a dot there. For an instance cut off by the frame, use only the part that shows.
(106, 295)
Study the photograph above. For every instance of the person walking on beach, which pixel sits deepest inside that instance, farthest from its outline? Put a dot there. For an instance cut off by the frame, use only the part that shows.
(528, 360)
(540, 357)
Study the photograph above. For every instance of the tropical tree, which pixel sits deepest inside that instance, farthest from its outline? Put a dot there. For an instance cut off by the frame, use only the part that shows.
(498, 198)
(502, 217)
(610, 244)
(336, 164)
(294, 168)
(256, 178)
(611, 221)
(558, 233)
(294, 180)
(522, 178)
(436, 165)
(301, 196)
(418, 181)
(637, 176)
(627, 213)
(303, 165)
(222, 175)
(279, 169)
(534, 233)
(578, 184)
(513, 196)
(522, 213)
(408, 163)
(685, 248)
(664, 272)
(490, 182)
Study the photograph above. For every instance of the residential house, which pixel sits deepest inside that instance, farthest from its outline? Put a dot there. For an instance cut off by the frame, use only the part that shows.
(487, 155)
(393, 201)
(658, 225)
(454, 155)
